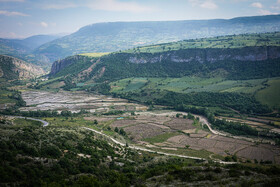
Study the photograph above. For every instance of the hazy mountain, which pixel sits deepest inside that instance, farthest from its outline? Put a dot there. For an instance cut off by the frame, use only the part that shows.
(38, 40)
(108, 37)
(23, 48)
(25, 45)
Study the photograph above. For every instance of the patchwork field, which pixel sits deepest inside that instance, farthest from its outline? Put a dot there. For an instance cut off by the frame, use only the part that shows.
(196, 84)
(159, 130)
(266, 91)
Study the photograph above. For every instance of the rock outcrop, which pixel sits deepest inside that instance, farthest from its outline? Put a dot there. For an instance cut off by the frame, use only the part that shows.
(13, 68)
(209, 55)
(59, 65)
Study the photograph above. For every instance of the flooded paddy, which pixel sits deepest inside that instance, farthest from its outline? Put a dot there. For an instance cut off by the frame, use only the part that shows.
(74, 102)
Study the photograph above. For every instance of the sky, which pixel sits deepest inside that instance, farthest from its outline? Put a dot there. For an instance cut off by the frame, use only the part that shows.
(24, 18)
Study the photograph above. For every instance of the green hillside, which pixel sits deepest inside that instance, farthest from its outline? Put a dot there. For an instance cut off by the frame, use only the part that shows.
(203, 74)
(244, 57)
(271, 94)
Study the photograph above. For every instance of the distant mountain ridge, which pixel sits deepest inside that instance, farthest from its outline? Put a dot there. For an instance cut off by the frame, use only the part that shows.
(114, 36)
(23, 48)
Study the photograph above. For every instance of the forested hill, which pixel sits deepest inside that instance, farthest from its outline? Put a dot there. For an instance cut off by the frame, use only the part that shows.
(110, 37)
(257, 58)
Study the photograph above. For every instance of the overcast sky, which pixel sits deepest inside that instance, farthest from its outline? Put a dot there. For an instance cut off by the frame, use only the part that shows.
(23, 18)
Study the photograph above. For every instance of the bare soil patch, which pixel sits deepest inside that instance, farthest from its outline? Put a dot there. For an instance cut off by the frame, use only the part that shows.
(123, 123)
(180, 124)
(97, 118)
(142, 131)
(257, 152)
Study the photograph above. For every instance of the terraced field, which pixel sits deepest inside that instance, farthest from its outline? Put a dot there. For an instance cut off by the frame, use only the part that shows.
(159, 130)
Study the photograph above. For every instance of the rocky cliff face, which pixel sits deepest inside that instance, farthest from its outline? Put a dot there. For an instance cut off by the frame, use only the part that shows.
(59, 65)
(209, 55)
(13, 68)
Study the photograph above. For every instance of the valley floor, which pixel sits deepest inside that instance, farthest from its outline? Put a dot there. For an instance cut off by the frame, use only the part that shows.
(158, 130)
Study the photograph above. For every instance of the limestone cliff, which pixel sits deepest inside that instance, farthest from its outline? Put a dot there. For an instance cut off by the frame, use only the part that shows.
(209, 55)
(168, 63)
(59, 65)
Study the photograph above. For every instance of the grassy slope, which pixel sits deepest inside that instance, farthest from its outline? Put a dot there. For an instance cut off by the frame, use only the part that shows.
(190, 84)
(161, 138)
(271, 94)
(4, 93)
(93, 54)
(234, 41)
(266, 90)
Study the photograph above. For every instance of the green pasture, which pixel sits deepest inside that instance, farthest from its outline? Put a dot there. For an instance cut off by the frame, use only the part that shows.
(271, 94)
(233, 41)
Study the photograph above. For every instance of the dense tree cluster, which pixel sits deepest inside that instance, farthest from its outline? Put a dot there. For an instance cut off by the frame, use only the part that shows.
(42, 113)
(16, 95)
(244, 103)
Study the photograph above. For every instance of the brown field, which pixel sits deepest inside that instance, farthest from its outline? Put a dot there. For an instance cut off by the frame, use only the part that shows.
(123, 123)
(142, 131)
(223, 146)
(180, 124)
(97, 118)
(260, 124)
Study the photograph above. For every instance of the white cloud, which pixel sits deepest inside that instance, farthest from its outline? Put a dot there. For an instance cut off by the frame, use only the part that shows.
(44, 24)
(257, 5)
(208, 4)
(12, 1)
(8, 13)
(267, 12)
(278, 2)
